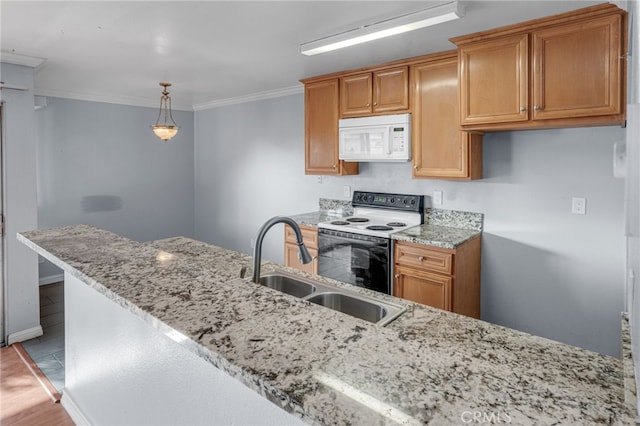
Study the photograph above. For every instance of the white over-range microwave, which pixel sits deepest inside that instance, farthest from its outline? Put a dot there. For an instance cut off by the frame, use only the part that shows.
(378, 138)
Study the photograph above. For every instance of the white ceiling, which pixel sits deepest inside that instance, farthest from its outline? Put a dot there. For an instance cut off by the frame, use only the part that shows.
(217, 52)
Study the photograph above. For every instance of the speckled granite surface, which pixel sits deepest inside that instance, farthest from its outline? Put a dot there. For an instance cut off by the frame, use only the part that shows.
(426, 367)
(454, 218)
(436, 236)
(328, 210)
(340, 207)
(630, 391)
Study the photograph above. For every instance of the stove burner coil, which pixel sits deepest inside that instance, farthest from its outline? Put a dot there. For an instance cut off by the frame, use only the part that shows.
(396, 224)
(339, 222)
(357, 219)
(379, 228)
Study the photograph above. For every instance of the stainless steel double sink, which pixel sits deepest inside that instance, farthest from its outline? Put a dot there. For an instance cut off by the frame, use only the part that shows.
(338, 299)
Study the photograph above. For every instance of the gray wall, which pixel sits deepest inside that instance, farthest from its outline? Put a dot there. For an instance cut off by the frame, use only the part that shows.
(545, 271)
(124, 179)
(632, 189)
(19, 172)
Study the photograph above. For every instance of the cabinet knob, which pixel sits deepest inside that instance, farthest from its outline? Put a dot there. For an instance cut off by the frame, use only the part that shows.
(420, 258)
(375, 103)
(522, 109)
(396, 276)
(537, 108)
(368, 104)
(334, 166)
(415, 167)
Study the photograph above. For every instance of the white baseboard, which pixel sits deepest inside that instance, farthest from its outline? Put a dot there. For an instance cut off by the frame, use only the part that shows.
(51, 279)
(23, 335)
(73, 410)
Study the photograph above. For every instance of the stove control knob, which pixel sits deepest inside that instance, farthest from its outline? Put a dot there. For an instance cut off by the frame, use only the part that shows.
(392, 200)
(413, 201)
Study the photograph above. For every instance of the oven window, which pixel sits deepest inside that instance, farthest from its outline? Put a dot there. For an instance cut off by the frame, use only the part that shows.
(354, 259)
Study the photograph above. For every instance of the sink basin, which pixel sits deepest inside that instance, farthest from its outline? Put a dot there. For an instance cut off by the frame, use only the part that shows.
(339, 299)
(367, 309)
(350, 305)
(287, 284)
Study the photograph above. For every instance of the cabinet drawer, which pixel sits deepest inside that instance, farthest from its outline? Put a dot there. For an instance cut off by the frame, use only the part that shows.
(309, 235)
(423, 258)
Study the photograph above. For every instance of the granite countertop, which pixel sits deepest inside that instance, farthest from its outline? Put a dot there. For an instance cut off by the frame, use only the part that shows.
(443, 228)
(328, 210)
(313, 218)
(437, 236)
(427, 367)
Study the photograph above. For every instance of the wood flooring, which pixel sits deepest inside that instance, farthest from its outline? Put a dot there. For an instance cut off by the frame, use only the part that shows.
(26, 396)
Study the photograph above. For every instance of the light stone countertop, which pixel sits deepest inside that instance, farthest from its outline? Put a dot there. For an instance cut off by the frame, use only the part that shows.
(437, 236)
(442, 228)
(427, 367)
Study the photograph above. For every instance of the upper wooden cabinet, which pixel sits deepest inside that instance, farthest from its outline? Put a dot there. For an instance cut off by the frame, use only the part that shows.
(439, 149)
(577, 69)
(561, 71)
(321, 130)
(493, 81)
(384, 91)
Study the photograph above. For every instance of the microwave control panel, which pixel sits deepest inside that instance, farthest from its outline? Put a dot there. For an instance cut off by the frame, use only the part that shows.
(398, 139)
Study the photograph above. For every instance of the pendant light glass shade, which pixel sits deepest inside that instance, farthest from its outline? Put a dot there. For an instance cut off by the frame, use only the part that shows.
(168, 128)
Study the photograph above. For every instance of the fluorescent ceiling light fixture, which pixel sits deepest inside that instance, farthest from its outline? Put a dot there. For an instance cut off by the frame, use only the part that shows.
(385, 28)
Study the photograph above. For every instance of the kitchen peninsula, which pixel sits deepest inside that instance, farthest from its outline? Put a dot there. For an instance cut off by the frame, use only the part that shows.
(313, 364)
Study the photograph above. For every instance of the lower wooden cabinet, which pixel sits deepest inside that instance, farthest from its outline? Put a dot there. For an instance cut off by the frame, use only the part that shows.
(423, 287)
(310, 238)
(447, 279)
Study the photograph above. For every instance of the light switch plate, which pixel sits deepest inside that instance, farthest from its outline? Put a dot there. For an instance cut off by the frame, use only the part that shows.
(579, 205)
(346, 191)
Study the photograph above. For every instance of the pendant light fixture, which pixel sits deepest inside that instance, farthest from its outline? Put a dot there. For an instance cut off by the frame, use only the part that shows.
(168, 128)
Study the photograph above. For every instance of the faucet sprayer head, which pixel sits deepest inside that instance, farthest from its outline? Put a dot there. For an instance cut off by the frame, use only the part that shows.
(303, 254)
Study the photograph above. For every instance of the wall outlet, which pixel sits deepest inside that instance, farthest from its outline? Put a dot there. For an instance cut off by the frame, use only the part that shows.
(319, 179)
(346, 191)
(437, 198)
(252, 243)
(579, 205)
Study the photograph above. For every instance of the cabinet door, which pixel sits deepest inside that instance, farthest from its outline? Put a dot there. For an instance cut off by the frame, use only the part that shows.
(440, 149)
(577, 69)
(391, 90)
(422, 287)
(321, 130)
(291, 259)
(494, 81)
(355, 95)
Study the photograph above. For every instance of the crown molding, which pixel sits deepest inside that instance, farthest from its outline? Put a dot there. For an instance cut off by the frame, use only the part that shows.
(131, 101)
(15, 59)
(293, 90)
(121, 100)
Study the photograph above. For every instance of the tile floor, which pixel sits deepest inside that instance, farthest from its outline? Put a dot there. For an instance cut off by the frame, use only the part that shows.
(47, 351)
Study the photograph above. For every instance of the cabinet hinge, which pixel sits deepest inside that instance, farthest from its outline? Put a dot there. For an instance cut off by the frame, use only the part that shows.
(2, 230)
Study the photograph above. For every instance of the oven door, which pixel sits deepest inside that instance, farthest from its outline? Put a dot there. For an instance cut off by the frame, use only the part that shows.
(361, 260)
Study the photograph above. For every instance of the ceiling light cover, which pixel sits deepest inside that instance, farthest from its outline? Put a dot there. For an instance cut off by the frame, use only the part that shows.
(168, 128)
(386, 28)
